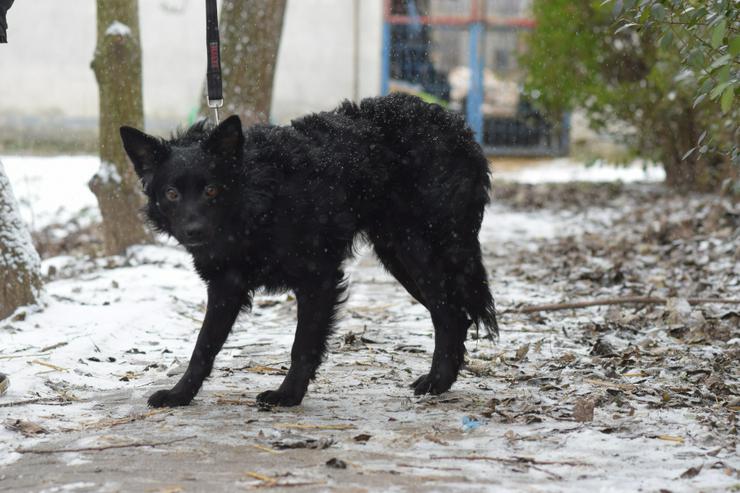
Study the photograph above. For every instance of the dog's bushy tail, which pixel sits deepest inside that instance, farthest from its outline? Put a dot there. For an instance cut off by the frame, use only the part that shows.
(476, 296)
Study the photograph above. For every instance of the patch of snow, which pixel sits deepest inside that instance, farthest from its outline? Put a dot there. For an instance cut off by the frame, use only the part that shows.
(118, 29)
(566, 170)
(108, 173)
(17, 251)
(52, 189)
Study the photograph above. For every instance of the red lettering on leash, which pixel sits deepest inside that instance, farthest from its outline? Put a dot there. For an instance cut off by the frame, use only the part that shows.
(213, 51)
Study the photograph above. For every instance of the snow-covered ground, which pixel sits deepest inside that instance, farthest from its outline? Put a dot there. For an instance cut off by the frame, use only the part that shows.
(563, 170)
(113, 330)
(52, 189)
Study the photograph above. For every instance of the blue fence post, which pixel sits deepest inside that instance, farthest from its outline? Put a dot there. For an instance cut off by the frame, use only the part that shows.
(475, 91)
(564, 149)
(385, 62)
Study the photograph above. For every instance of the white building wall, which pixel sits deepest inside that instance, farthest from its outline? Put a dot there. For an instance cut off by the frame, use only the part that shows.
(45, 67)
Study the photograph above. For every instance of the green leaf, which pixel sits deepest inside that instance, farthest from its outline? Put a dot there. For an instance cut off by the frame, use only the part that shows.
(719, 88)
(696, 58)
(727, 97)
(699, 99)
(734, 46)
(658, 12)
(626, 26)
(706, 86)
(722, 61)
(723, 74)
(665, 41)
(718, 33)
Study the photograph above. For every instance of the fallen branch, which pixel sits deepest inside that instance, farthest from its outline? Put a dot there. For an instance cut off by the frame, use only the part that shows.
(38, 400)
(299, 426)
(48, 365)
(270, 482)
(644, 300)
(511, 460)
(16, 356)
(111, 422)
(54, 346)
(22, 450)
(628, 387)
(533, 463)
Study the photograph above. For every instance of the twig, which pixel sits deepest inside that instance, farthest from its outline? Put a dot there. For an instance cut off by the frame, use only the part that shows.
(645, 300)
(628, 387)
(48, 365)
(298, 426)
(265, 370)
(288, 485)
(53, 346)
(429, 467)
(111, 422)
(236, 402)
(533, 463)
(266, 449)
(511, 460)
(37, 400)
(22, 450)
(261, 477)
(16, 356)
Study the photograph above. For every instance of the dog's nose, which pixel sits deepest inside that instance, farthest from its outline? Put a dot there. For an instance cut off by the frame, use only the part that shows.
(194, 232)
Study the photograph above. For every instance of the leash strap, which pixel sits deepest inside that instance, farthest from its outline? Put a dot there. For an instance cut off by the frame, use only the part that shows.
(215, 96)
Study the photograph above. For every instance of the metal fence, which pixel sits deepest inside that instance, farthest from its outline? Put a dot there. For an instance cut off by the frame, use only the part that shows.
(464, 54)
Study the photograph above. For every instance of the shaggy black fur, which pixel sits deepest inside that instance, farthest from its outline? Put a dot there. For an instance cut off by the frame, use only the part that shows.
(279, 208)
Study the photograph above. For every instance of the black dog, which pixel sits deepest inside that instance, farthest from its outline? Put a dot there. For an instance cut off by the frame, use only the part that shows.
(279, 208)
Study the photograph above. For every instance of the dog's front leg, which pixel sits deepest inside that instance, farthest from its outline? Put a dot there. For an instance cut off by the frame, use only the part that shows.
(226, 297)
(317, 304)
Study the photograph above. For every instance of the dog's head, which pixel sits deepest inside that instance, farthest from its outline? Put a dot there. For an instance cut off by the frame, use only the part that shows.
(189, 179)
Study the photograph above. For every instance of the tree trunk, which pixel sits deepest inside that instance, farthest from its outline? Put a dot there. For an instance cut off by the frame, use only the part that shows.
(250, 39)
(20, 280)
(117, 67)
(696, 172)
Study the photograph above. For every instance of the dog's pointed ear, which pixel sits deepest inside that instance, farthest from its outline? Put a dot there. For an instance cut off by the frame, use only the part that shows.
(226, 139)
(145, 151)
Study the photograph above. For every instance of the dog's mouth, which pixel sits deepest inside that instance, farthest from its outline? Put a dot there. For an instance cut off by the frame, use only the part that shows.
(195, 244)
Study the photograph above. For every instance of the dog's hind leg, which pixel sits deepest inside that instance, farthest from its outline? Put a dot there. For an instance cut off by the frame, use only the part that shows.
(387, 257)
(317, 307)
(448, 316)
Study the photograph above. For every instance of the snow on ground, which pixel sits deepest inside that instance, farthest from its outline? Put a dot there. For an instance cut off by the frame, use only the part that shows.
(113, 330)
(566, 170)
(52, 189)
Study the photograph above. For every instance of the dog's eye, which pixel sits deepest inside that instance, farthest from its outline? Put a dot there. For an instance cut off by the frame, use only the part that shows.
(211, 191)
(172, 194)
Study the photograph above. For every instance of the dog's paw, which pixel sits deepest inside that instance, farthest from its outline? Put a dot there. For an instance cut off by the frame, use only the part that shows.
(167, 398)
(279, 398)
(426, 384)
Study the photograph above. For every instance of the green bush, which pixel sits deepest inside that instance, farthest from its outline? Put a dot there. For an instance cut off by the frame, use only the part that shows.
(668, 69)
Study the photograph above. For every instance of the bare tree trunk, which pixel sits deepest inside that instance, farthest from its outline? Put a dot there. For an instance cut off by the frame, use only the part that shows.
(117, 67)
(696, 172)
(250, 39)
(20, 280)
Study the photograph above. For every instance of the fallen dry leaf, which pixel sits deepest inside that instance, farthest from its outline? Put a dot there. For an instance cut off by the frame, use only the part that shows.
(583, 410)
(521, 352)
(27, 428)
(691, 472)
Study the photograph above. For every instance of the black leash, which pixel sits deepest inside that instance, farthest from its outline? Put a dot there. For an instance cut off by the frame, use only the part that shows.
(215, 97)
(4, 7)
